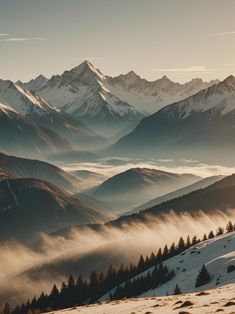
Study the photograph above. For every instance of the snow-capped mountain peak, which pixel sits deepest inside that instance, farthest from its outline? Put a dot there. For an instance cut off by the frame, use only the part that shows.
(150, 96)
(100, 100)
(35, 84)
(22, 100)
(84, 92)
(229, 82)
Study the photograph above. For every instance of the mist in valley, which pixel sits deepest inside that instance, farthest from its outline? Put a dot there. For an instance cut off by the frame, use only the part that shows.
(25, 271)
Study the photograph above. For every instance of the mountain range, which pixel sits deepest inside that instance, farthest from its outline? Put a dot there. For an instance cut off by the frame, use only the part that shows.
(36, 169)
(25, 138)
(31, 206)
(201, 184)
(135, 185)
(200, 126)
(31, 106)
(110, 104)
(82, 92)
(217, 196)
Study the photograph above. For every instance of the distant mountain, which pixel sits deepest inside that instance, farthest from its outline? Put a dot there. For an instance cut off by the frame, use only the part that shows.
(89, 175)
(89, 178)
(28, 168)
(32, 106)
(99, 206)
(149, 97)
(30, 206)
(35, 84)
(21, 136)
(201, 126)
(180, 192)
(218, 196)
(82, 92)
(137, 185)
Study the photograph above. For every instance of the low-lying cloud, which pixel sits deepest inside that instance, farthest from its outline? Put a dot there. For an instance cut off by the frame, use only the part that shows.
(129, 242)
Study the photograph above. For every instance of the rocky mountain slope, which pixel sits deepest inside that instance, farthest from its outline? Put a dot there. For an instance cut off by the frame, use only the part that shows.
(82, 92)
(148, 96)
(110, 104)
(30, 105)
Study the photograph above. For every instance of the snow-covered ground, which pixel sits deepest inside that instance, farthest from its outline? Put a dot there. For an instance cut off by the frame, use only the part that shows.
(217, 254)
(218, 300)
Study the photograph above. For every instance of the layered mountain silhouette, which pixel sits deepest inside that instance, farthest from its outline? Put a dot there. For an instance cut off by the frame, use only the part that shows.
(30, 105)
(20, 135)
(82, 92)
(149, 97)
(201, 184)
(138, 184)
(28, 168)
(31, 206)
(110, 104)
(218, 196)
(200, 126)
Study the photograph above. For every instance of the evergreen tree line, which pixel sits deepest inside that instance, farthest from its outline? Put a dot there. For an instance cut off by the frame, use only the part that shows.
(80, 291)
(142, 283)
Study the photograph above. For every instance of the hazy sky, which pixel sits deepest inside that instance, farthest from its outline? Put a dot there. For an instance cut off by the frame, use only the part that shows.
(179, 38)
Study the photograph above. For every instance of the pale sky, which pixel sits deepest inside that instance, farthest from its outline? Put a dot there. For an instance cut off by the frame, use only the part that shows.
(178, 38)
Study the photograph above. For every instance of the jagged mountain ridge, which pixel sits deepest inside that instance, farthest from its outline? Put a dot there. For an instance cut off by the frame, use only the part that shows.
(30, 105)
(116, 102)
(194, 127)
(82, 92)
(150, 96)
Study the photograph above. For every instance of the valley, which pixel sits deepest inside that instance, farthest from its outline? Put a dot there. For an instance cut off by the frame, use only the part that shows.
(116, 189)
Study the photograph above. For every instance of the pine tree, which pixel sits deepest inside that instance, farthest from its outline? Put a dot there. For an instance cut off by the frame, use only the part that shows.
(7, 308)
(211, 235)
(172, 249)
(152, 259)
(220, 231)
(203, 277)
(63, 295)
(54, 297)
(165, 251)
(181, 245)
(141, 264)
(194, 240)
(159, 256)
(94, 282)
(229, 227)
(188, 242)
(177, 290)
(71, 291)
(204, 237)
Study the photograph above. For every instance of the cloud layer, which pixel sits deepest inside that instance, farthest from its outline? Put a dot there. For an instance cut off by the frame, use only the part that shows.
(223, 33)
(190, 69)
